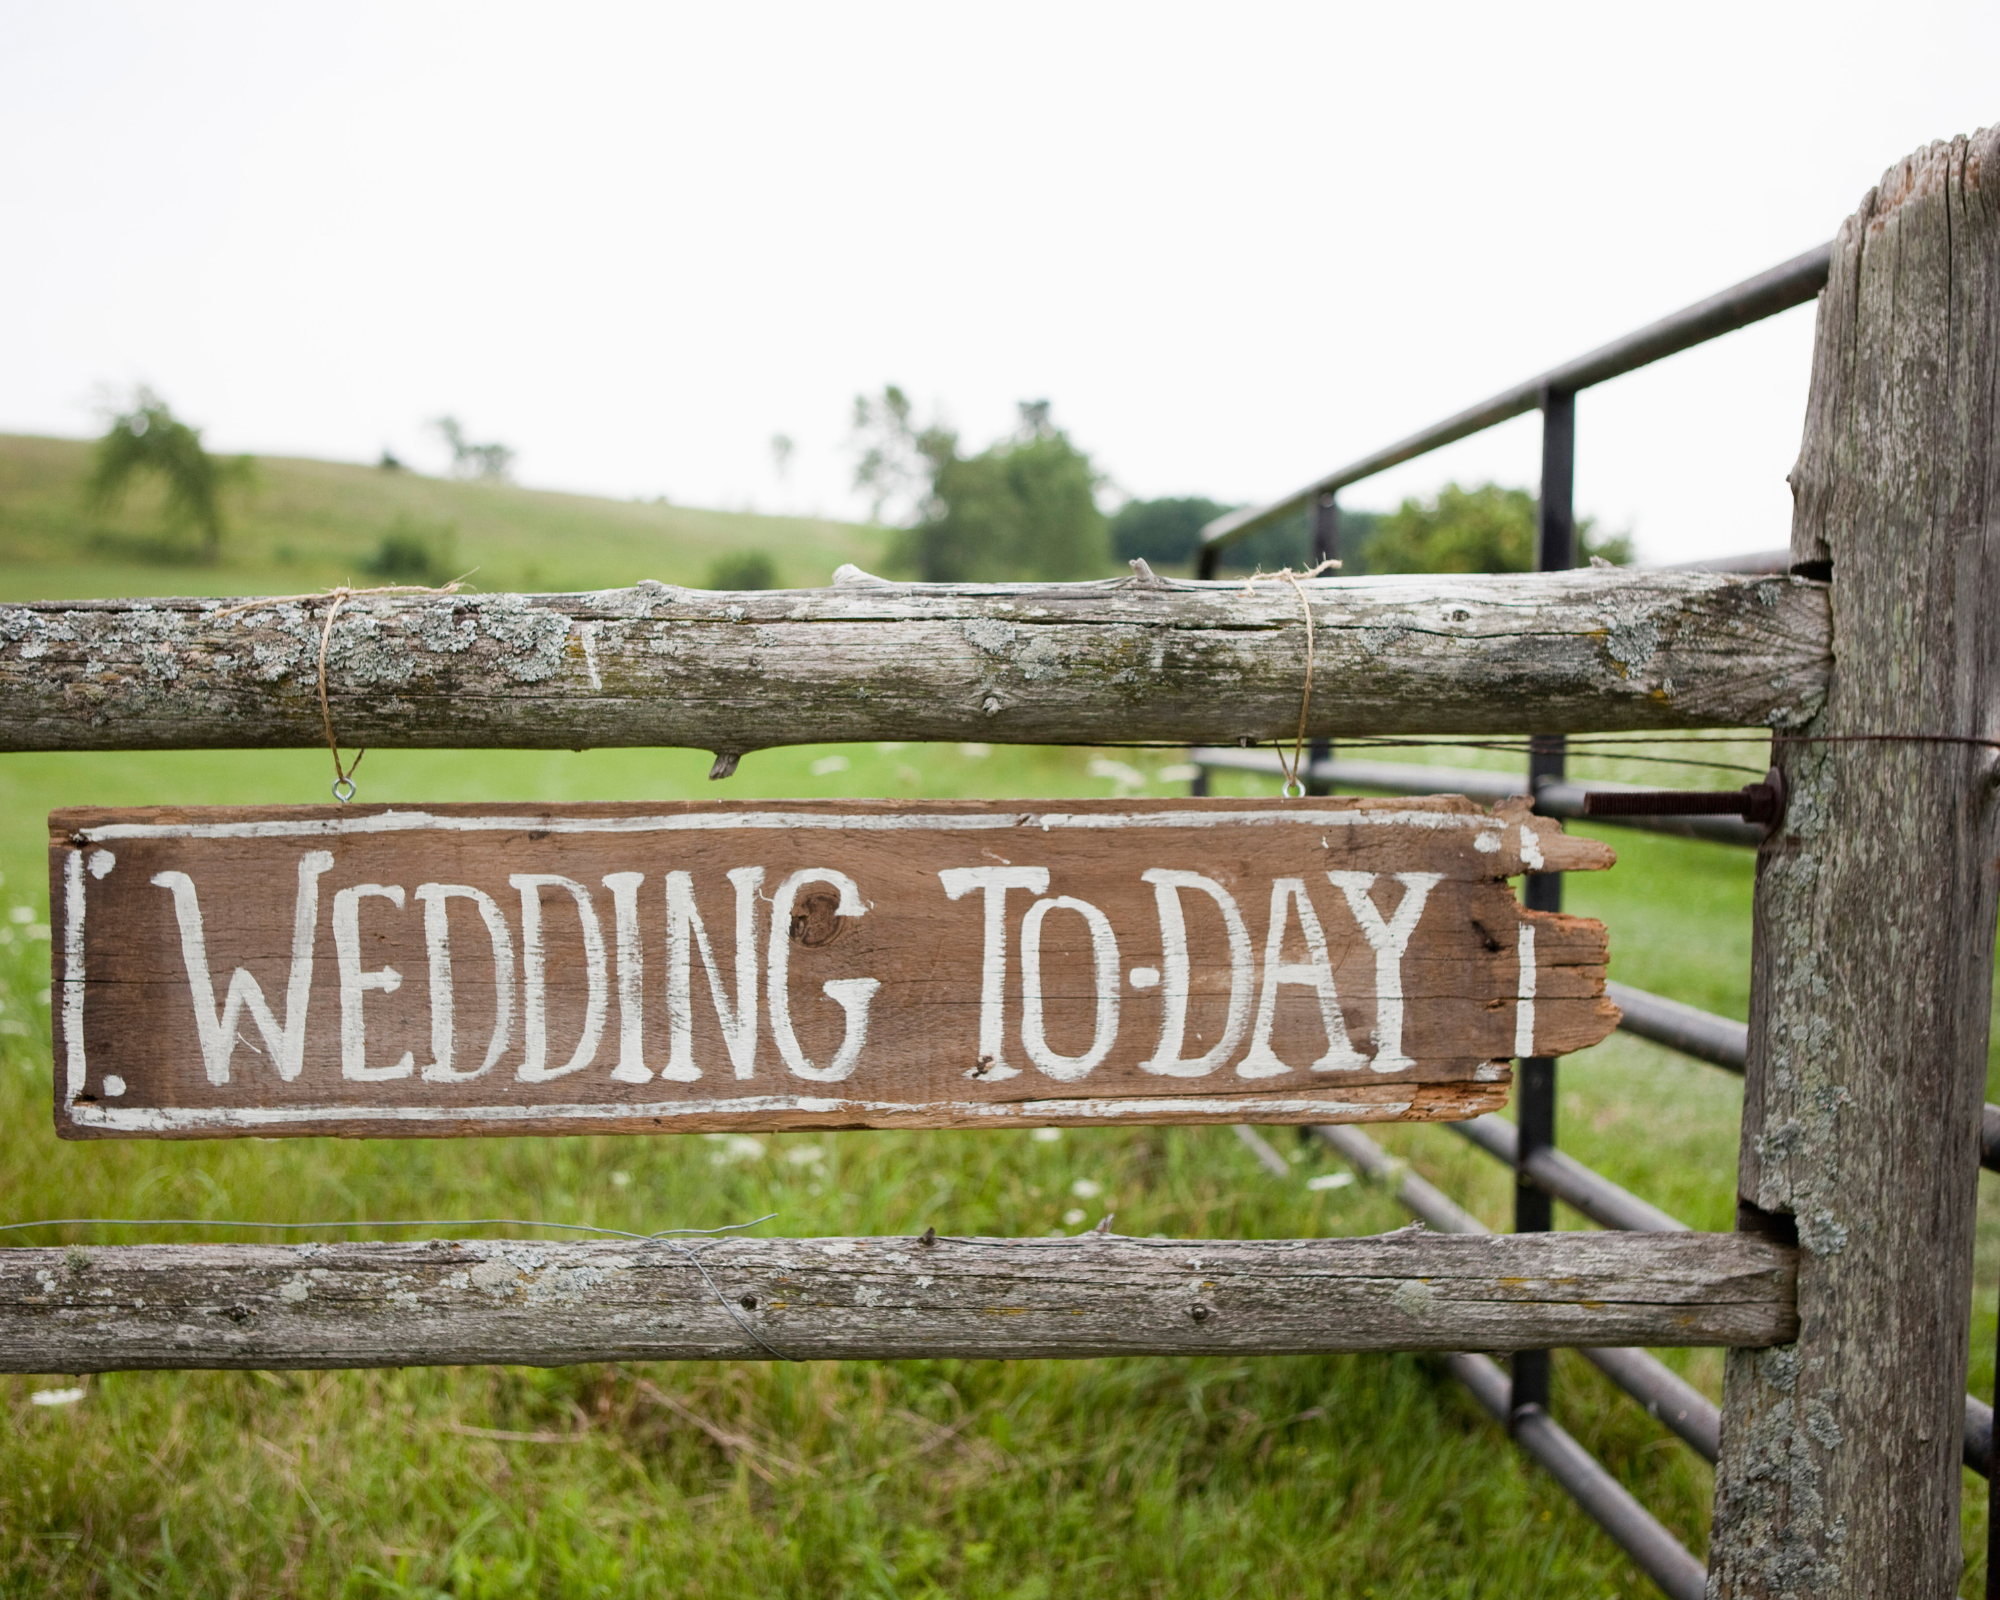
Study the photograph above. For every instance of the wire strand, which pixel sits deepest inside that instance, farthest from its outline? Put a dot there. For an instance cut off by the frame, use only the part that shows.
(375, 1222)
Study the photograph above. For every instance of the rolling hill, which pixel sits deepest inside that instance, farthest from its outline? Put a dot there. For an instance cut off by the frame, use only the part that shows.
(306, 524)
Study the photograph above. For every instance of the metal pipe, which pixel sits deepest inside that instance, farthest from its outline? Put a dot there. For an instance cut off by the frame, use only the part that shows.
(1725, 1043)
(1571, 799)
(1564, 799)
(1761, 803)
(1552, 1174)
(1793, 284)
(1598, 1198)
(1979, 1439)
(1702, 1034)
(1422, 1200)
(1667, 1397)
(1260, 1147)
(1756, 562)
(1656, 1552)
(1535, 1076)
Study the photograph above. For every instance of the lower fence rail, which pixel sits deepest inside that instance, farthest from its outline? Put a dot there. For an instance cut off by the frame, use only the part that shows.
(445, 1302)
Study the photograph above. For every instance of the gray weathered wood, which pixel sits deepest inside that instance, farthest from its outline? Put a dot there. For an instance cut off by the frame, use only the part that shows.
(1875, 921)
(1022, 663)
(447, 1302)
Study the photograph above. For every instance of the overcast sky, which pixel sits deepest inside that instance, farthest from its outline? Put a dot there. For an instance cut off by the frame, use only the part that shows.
(1236, 245)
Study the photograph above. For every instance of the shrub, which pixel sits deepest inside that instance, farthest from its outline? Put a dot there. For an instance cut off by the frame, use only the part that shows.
(414, 552)
(743, 569)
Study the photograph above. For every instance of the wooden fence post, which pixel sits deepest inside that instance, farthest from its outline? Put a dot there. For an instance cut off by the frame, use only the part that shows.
(1875, 920)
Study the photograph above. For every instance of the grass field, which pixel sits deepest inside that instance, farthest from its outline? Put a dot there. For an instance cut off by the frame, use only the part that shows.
(1362, 1476)
(307, 524)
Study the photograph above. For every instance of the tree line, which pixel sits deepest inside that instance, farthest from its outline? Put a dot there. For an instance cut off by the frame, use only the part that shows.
(1027, 507)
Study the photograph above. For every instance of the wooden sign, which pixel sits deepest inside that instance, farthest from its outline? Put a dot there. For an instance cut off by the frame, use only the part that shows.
(370, 970)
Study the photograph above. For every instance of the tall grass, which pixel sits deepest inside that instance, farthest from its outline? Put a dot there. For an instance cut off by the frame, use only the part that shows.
(1334, 1475)
(1343, 1475)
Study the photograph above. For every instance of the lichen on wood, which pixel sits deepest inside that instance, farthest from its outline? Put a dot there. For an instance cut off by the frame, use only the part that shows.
(1840, 1469)
(444, 1302)
(1008, 663)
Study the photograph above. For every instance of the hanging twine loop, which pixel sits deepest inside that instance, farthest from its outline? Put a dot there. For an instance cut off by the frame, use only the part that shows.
(343, 772)
(343, 777)
(1294, 785)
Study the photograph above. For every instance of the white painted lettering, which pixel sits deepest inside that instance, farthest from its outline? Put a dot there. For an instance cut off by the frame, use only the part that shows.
(686, 935)
(437, 946)
(995, 882)
(1524, 1005)
(534, 1066)
(355, 982)
(1315, 973)
(1175, 981)
(852, 995)
(1104, 964)
(624, 887)
(1388, 940)
(218, 1031)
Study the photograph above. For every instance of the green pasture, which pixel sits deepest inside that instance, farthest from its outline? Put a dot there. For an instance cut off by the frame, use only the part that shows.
(304, 525)
(1344, 1475)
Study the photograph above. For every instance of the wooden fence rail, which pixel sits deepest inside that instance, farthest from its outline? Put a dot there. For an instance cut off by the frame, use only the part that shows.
(444, 1302)
(1124, 661)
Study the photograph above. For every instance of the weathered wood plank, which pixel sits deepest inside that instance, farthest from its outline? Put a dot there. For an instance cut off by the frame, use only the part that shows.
(1840, 1467)
(1024, 663)
(448, 1302)
(675, 967)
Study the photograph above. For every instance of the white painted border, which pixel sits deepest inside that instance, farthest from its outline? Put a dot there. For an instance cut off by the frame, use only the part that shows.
(165, 1119)
(75, 1074)
(160, 1119)
(785, 821)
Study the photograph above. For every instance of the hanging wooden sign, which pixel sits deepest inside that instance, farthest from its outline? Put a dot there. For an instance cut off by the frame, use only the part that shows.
(372, 970)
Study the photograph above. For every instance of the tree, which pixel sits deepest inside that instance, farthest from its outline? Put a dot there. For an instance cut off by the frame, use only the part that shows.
(148, 439)
(489, 463)
(1162, 533)
(743, 569)
(1167, 533)
(1484, 529)
(413, 551)
(1025, 507)
(897, 461)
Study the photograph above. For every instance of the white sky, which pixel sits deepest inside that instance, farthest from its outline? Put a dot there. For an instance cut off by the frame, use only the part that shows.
(1236, 245)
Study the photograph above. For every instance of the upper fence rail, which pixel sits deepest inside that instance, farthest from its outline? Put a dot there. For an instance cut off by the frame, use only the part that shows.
(1104, 663)
(1792, 284)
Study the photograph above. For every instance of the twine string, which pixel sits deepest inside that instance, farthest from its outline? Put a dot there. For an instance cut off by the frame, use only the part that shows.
(1294, 784)
(343, 777)
(343, 772)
